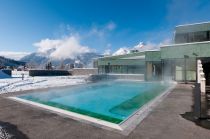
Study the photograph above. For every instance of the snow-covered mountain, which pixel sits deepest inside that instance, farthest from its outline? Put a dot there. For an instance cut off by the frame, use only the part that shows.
(10, 62)
(121, 51)
(137, 48)
(38, 59)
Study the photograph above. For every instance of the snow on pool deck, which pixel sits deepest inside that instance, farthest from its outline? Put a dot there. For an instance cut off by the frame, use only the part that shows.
(30, 83)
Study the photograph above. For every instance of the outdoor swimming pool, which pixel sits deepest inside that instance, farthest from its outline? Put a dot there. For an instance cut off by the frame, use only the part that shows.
(112, 101)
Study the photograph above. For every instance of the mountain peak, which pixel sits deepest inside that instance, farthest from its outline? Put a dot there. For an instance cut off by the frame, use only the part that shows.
(39, 60)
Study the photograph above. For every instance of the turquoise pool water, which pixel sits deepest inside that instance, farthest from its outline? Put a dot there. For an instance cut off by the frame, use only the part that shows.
(113, 101)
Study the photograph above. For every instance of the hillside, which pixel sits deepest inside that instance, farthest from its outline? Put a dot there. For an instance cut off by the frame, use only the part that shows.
(10, 62)
(40, 59)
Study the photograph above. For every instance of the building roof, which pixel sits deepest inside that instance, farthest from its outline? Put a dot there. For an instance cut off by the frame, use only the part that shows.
(196, 27)
(182, 44)
(200, 23)
(135, 57)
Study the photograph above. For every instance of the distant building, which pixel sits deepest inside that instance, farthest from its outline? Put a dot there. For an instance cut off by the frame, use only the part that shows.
(71, 66)
(78, 64)
(173, 62)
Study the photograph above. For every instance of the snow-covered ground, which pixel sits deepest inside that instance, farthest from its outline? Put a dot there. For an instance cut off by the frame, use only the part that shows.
(4, 134)
(29, 83)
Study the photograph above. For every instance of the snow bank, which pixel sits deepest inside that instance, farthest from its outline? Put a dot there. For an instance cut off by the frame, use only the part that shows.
(30, 83)
(3, 75)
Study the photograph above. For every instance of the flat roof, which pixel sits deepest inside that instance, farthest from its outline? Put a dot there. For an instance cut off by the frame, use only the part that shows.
(196, 27)
(130, 55)
(208, 22)
(181, 44)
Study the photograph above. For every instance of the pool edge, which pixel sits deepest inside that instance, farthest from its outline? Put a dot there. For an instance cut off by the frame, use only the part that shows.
(129, 124)
(125, 127)
(73, 115)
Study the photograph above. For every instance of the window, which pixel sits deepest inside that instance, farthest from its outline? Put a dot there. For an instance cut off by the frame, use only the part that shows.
(200, 36)
(192, 37)
(181, 38)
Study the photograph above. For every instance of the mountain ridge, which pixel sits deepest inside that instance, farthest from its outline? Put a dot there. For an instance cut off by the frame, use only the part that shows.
(40, 60)
(10, 62)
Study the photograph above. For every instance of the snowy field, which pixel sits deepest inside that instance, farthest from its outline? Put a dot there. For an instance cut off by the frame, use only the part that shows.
(29, 83)
(4, 134)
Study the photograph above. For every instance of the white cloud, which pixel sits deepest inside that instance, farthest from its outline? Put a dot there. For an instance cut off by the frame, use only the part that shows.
(108, 45)
(111, 26)
(13, 55)
(102, 30)
(47, 44)
(166, 42)
(107, 52)
(67, 47)
(96, 31)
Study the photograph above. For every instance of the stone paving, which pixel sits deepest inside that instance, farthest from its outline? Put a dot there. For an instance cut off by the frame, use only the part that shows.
(171, 119)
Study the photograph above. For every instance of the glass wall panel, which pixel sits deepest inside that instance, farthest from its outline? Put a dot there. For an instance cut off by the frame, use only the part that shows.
(168, 71)
(135, 69)
(192, 37)
(177, 68)
(191, 64)
(179, 75)
(101, 69)
(122, 69)
(191, 69)
(191, 75)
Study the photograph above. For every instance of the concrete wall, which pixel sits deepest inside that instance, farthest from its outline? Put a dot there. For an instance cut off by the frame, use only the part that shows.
(49, 73)
(152, 56)
(201, 49)
(84, 71)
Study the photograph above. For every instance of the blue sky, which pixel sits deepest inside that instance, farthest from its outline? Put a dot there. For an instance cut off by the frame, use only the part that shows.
(99, 24)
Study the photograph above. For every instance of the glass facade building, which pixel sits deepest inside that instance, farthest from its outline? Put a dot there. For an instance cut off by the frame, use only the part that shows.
(172, 62)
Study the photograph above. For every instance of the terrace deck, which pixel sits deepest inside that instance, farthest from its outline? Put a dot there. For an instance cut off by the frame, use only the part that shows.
(171, 119)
